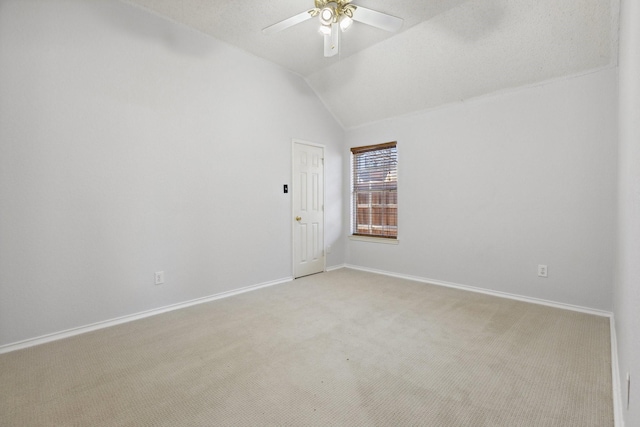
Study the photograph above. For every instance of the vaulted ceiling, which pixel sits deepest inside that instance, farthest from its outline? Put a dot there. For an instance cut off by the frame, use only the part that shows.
(446, 51)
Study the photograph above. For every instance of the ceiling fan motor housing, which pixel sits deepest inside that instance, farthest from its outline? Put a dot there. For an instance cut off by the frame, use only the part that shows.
(331, 12)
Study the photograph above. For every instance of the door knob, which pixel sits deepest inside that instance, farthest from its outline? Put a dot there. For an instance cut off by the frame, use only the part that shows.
(298, 218)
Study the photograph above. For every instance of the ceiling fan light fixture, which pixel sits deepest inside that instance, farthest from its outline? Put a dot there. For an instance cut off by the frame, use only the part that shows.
(345, 23)
(325, 30)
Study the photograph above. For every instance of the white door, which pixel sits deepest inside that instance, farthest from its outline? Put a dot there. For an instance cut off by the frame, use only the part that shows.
(308, 209)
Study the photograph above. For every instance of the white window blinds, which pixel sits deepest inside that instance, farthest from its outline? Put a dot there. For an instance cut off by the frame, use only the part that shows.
(375, 190)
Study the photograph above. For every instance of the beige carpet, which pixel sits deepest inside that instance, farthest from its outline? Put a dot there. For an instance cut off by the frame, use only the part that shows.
(344, 348)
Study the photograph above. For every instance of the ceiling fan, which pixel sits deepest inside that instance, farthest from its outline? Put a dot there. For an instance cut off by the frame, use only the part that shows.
(336, 16)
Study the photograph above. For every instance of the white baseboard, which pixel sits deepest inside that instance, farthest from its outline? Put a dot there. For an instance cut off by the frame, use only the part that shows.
(131, 317)
(485, 291)
(335, 267)
(615, 377)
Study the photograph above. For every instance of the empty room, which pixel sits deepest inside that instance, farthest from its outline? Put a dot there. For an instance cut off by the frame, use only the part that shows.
(449, 224)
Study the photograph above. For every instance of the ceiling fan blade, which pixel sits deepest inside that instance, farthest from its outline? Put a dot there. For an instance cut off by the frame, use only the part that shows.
(377, 19)
(332, 42)
(289, 22)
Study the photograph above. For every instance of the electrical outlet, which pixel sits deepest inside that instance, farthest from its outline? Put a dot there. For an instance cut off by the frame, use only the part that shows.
(328, 249)
(542, 270)
(159, 277)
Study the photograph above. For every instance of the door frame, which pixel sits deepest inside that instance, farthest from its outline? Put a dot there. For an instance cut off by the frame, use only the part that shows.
(295, 141)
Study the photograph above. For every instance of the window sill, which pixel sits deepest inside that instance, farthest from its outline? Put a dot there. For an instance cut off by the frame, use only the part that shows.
(374, 239)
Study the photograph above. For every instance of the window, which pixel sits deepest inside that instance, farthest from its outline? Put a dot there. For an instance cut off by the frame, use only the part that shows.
(374, 203)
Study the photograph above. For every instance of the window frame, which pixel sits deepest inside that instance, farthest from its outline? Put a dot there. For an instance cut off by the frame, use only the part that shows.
(387, 222)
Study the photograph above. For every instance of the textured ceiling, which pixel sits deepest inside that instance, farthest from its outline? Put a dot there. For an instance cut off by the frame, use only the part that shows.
(447, 50)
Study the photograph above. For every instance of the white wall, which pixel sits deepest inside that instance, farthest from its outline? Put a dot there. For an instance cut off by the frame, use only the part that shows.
(627, 284)
(491, 188)
(129, 145)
